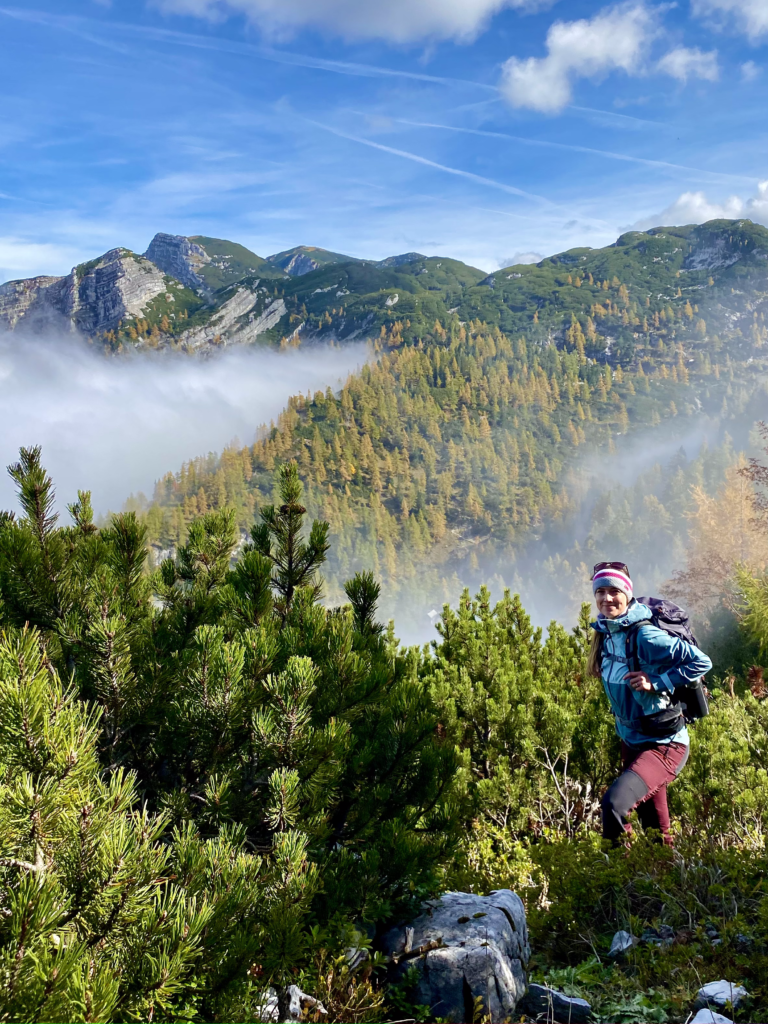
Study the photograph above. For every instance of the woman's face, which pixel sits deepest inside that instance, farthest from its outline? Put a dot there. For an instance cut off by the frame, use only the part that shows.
(611, 602)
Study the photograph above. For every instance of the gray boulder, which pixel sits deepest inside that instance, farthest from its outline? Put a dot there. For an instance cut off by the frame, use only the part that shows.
(707, 1016)
(622, 942)
(547, 1004)
(719, 993)
(465, 947)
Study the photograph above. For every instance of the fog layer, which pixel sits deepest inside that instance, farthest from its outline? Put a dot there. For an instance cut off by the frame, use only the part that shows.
(629, 504)
(114, 425)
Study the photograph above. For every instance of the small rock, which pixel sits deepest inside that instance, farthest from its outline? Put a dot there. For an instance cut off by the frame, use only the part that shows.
(718, 993)
(743, 943)
(548, 1004)
(707, 1016)
(299, 1002)
(667, 934)
(267, 1011)
(622, 941)
(355, 956)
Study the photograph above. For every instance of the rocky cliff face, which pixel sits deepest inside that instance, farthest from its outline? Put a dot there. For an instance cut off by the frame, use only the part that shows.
(179, 257)
(34, 303)
(300, 264)
(239, 321)
(91, 299)
(120, 289)
(120, 284)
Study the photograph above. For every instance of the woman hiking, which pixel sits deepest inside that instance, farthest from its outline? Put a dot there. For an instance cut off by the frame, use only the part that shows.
(653, 734)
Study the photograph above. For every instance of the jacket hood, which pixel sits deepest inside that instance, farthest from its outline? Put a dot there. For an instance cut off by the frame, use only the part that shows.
(636, 612)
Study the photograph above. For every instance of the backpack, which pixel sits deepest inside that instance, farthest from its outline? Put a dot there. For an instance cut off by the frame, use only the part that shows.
(689, 702)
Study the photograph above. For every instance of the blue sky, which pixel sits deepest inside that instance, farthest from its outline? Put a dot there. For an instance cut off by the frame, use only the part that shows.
(480, 129)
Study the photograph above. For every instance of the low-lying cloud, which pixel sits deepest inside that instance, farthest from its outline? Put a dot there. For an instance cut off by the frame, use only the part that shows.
(115, 425)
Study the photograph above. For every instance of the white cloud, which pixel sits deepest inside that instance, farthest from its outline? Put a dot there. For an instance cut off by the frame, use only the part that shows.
(398, 21)
(750, 71)
(696, 208)
(684, 63)
(614, 39)
(19, 257)
(750, 16)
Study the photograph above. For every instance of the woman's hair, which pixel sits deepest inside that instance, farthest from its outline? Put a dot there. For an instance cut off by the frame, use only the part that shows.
(595, 660)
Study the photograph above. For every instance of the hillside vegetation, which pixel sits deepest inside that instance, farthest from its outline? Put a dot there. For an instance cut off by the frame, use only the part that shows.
(456, 442)
(211, 784)
(718, 265)
(197, 293)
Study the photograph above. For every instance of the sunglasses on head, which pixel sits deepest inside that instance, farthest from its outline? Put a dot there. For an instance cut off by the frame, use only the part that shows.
(610, 565)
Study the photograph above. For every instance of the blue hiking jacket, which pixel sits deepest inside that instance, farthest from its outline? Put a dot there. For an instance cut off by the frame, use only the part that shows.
(667, 661)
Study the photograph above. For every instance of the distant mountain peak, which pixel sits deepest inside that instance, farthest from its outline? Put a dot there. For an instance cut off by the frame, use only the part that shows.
(401, 260)
(206, 264)
(179, 257)
(303, 259)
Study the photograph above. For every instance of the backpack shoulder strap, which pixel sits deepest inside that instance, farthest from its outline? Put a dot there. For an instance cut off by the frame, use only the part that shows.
(631, 641)
(632, 653)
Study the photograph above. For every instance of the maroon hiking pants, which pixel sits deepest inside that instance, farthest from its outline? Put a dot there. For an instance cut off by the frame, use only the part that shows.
(643, 785)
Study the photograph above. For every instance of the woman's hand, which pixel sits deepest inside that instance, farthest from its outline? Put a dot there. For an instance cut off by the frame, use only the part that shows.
(639, 681)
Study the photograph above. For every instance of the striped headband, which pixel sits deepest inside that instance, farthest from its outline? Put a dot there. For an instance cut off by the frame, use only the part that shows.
(612, 578)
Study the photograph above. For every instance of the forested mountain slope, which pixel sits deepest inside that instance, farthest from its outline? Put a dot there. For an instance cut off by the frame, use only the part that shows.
(711, 264)
(451, 447)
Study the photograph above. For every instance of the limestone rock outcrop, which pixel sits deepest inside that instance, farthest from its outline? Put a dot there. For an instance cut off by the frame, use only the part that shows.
(92, 298)
(119, 284)
(238, 321)
(300, 264)
(707, 1016)
(95, 297)
(35, 303)
(180, 257)
(299, 1006)
(467, 949)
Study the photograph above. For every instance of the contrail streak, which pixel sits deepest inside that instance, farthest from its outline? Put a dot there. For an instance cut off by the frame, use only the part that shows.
(458, 172)
(85, 27)
(573, 147)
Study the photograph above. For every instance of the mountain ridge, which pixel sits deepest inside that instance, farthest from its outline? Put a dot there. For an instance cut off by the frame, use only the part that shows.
(197, 293)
